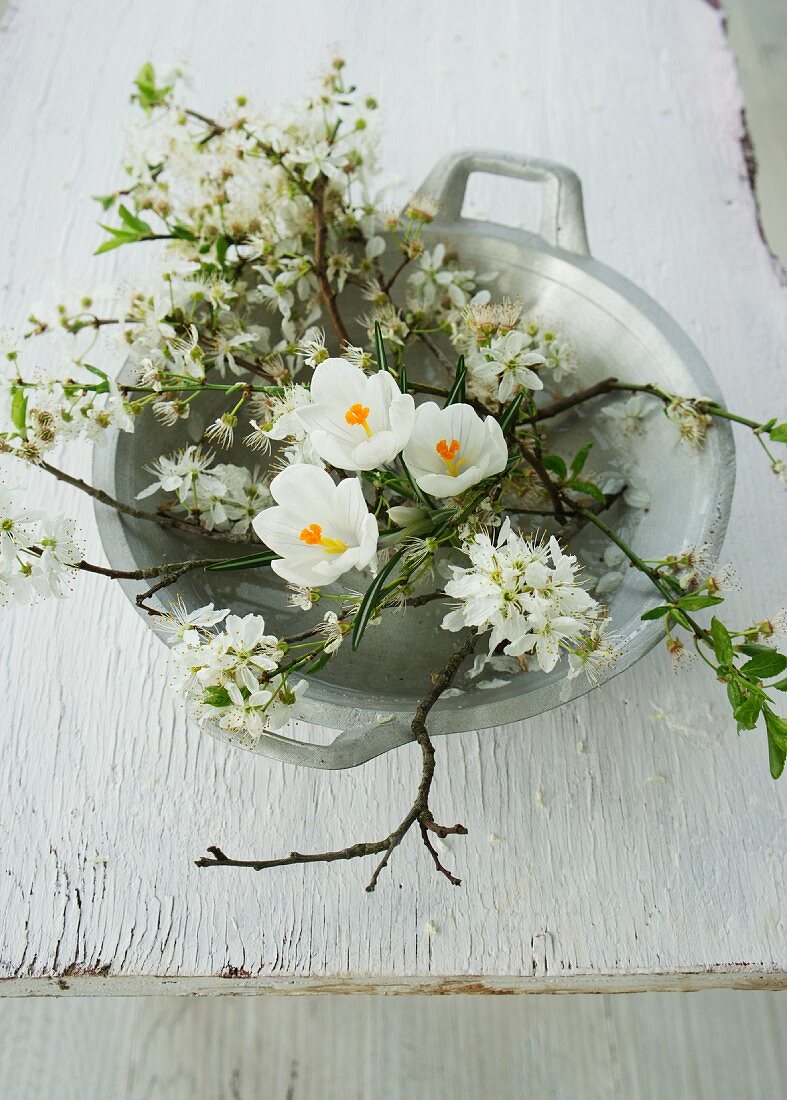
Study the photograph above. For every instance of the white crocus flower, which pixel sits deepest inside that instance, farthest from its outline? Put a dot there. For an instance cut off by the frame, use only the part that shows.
(320, 529)
(453, 448)
(356, 421)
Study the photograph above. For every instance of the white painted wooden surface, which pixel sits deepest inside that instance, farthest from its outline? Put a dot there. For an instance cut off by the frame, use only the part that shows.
(719, 1045)
(632, 835)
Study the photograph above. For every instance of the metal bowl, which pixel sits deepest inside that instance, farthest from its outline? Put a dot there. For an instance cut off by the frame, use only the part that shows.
(370, 695)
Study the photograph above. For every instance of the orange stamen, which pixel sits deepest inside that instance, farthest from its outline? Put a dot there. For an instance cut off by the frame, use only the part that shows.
(358, 414)
(448, 452)
(313, 536)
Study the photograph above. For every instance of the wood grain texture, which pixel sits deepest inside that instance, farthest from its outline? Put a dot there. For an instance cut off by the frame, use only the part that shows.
(711, 1046)
(632, 834)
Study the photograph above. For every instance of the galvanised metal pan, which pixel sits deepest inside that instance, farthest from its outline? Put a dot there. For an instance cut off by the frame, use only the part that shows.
(618, 330)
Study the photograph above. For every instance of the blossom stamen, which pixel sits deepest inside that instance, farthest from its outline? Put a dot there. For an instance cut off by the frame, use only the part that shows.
(313, 536)
(448, 452)
(359, 414)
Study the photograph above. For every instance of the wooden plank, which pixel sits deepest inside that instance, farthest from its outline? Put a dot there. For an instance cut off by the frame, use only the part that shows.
(631, 835)
(711, 1046)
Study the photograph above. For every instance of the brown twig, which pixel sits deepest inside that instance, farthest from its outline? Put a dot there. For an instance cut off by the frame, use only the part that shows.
(327, 293)
(159, 518)
(419, 812)
(535, 461)
(173, 574)
(608, 385)
(397, 271)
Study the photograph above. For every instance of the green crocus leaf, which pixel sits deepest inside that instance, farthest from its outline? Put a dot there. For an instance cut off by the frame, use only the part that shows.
(372, 598)
(250, 561)
(457, 392)
(379, 347)
(510, 414)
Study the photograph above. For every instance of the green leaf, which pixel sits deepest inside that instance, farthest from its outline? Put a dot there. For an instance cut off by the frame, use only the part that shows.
(580, 458)
(250, 561)
(379, 347)
(722, 642)
(457, 392)
(149, 94)
(696, 603)
(403, 378)
(107, 201)
(753, 649)
(780, 685)
(765, 665)
(133, 222)
(777, 741)
(779, 433)
(734, 694)
(680, 618)
(372, 598)
(119, 237)
(19, 409)
(183, 233)
(655, 613)
(510, 414)
(589, 488)
(216, 696)
(556, 464)
(747, 713)
(222, 244)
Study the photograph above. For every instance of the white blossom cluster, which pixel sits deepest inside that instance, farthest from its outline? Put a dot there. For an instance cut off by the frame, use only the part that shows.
(38, 411)
(528, 597)
(506, 353)
(220, 496)
(231, 676)
(38, 556)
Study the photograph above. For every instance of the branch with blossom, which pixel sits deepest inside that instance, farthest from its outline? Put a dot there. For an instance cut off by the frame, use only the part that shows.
(417, 440)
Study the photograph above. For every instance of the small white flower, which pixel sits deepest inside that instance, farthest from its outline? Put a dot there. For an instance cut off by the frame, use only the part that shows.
(301, 596)
(510, 357)
(356, 421)
(780, 469)
(188, 356)
(692, 424)
(320, 529)
(524, 593)
(629, 416)
(186, 626)
(312, 347)
(186, 473)
(53, 572)
(332, 630)
(453, 448)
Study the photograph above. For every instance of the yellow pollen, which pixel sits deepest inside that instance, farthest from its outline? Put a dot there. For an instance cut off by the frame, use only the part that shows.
(312, 536)
(448, 452)
(358, 414)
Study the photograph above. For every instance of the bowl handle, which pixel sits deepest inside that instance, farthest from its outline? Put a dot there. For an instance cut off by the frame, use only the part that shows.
(563, 215)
